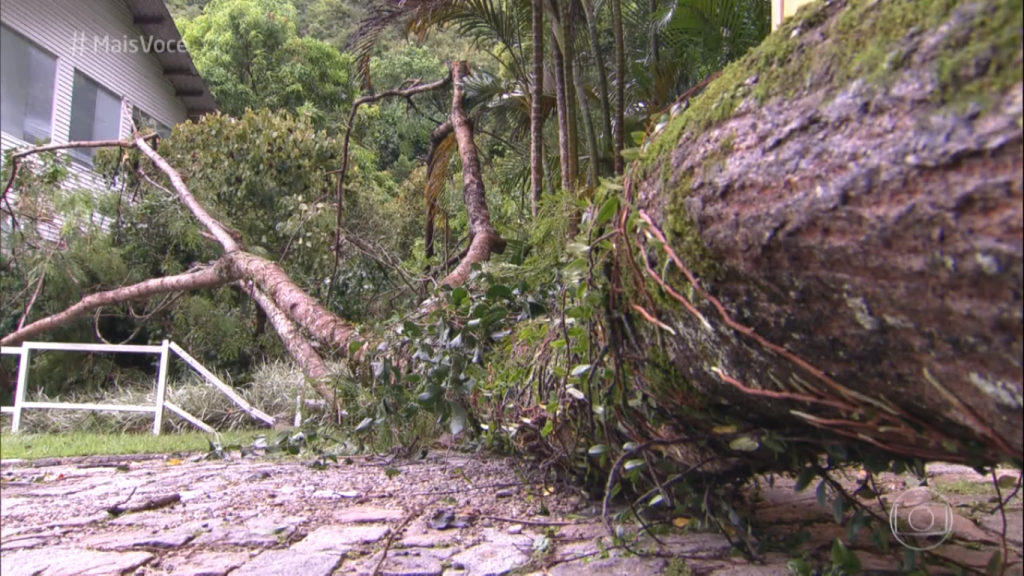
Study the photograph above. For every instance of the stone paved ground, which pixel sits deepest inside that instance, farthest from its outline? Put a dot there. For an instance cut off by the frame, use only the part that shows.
(257, 517)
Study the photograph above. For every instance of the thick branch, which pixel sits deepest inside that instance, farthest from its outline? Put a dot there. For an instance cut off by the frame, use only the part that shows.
(298, 346)
(209, 222)
(208, 278)
(485, 238)
(268, 276)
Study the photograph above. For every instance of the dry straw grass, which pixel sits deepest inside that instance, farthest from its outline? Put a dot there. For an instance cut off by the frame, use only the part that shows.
(274, 390)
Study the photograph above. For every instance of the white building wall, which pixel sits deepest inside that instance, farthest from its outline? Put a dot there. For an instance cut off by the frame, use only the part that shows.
(74, 32)
(69, 29)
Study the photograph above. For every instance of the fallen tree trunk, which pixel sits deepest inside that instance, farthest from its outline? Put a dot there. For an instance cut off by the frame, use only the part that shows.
(286, 304)
(844, 234)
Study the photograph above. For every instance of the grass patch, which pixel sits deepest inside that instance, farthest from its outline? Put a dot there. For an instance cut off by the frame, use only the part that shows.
(964, 487)
(32, 446)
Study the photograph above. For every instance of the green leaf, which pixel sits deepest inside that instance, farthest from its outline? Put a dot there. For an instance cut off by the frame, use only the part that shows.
(580, 370)
(354, 346)
(804, 479)
(495, 315)
(365, 425)
(607, 211)
(800, 567)
(634, 464)
(837, 509)
(995, 564)
(548, 428)
(744, 444)
(459, 418)
(845, 558)
(630, 154)
(598, 449)
(638, 137)
(411, 329)
(821, 492)
(458, 295)
(575, 392)
(432, 392)
(855, 526)
(499, 291)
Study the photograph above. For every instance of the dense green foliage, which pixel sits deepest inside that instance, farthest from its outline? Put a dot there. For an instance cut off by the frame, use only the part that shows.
(252, 57)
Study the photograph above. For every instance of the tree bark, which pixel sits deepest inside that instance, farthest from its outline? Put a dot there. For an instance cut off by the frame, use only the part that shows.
(620, 86)
(856, 252)
(562, 106)
(602, 77)
(536, 109)
(299, 348)
(485, 238)
(218, 275)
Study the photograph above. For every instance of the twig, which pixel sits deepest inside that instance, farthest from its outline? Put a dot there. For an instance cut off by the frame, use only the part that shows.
(1016, 490)
(532, 522)
(1002, 514)
(155, 503)
(39, 285)
(122, 502)
(391, 537)
(613, 473)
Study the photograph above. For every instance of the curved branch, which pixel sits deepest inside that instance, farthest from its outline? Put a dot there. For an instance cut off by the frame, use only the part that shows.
(409, 92)
(485, 238)
(17, 157)
(208, 278)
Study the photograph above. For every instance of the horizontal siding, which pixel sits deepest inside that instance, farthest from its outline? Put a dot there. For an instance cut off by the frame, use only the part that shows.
(51, 225)
(60, 27)
(63, 27)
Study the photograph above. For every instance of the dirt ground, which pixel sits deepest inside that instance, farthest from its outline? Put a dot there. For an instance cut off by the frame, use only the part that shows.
(446, 514)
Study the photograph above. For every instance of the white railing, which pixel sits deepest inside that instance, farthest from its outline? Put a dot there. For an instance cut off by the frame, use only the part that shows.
(164, 350)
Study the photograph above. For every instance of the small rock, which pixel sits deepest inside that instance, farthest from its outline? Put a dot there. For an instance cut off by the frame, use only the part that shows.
(340, 539)
(368, 514)
(515, 529)
(290, 563)
(411, 566)
(507, 493)
(611, 567)
(490, 559)
(1014, 526)
(71, 562)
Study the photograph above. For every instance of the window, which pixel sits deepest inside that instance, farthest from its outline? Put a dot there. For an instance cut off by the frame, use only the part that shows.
(145, 122)
(95, 115)
(27, 76)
